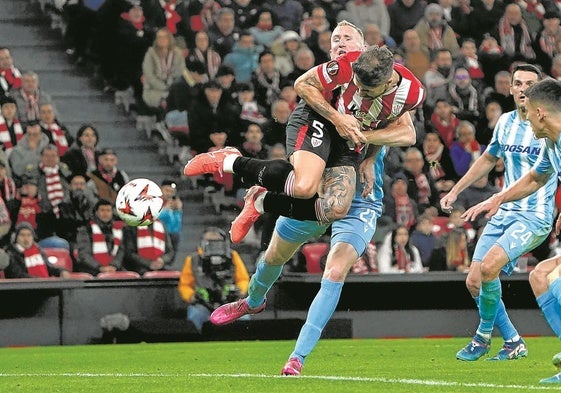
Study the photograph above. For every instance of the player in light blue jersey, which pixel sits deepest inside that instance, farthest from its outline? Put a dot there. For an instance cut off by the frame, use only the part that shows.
(544, 114)
(518, 227)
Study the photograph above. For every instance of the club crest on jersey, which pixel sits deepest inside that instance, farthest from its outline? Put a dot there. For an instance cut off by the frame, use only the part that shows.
(396, 109)
(316, 142)
(332, 68)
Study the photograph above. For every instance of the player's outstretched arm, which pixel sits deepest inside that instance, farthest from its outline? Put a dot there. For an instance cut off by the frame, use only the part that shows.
(399, 133)
(310, 89)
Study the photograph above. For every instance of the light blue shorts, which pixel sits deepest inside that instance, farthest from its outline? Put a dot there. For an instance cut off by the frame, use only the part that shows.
(515, 234)
(356, 229)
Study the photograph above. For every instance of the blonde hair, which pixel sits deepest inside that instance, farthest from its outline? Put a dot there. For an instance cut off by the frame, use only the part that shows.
(347, 23)
(453, 250)
(171, 41)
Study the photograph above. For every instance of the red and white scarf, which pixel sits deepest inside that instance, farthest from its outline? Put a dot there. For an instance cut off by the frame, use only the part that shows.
(151, 241)
(100, 250)
(10, 79)
(55, 192)
(172, 17)
(58, 136)
(506, 35)
(34, 261)
(5, 137)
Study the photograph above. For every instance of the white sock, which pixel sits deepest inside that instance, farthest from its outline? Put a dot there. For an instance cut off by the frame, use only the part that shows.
(228, 163)
(259, 202)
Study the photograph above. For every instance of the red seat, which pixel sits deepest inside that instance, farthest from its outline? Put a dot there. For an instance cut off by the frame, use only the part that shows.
(313, 253)
(440, 226)
(123, 275)
(162, 274)
(59, 257)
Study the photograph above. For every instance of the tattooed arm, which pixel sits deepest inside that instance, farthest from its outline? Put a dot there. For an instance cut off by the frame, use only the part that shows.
(310, 89)
(400, 132)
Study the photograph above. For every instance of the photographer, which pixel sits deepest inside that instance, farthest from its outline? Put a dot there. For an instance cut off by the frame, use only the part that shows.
(212, 276)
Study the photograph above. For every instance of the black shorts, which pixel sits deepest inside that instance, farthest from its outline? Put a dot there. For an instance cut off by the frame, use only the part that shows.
(306, 130)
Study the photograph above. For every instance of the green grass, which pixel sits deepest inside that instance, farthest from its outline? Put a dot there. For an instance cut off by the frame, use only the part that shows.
(366, 365)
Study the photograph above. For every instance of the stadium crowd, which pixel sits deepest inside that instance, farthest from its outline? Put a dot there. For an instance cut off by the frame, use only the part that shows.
(221, 73)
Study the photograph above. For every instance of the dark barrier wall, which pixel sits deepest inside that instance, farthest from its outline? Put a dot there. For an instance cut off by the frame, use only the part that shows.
(57, 312)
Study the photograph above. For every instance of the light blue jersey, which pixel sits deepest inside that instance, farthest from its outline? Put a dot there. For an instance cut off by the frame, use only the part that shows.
(358, 226)
(519, 226)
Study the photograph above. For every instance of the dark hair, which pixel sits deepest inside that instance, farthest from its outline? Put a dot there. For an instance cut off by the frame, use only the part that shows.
(265, 53)
(102, 202)
(374, 66)
(547, 91)
(527, 67)
(81, 131)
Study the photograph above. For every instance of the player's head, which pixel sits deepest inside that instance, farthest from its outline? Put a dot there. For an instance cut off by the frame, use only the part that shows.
(523, 76)
(543, 105)
(346, 38)
(373, 71)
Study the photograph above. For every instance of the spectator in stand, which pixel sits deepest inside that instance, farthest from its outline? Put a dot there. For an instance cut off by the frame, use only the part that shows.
(404, 15)
(11, 131)
(52, 187)
(464, 96)
(213, 112)
(284, 49)
(477, 192)
(288, 12)
(468, 59)
(267, 80)
(244, 57)
(76, 209)
(493, 59)
(10, 76)
(437, 157)
(435, 33)
(275, 128)
(224, 33)
(288, 93)
(266, 30)
(171, 14)
(331, 8)
(424, 239)
(106, 181)
(203, 53)
(415, 56)
(82, 157)
(8, 191)
(486, 125)
(314, 25)
(250, 111)
(246, 11)
(321, 47)
(253, 144)
(361, 13)
(437, 78)
(513, 35)
(172, 213)
(57, 132)
(303, 61)
(453, 255)
(27, 153)
(99, 242)
(27, 260)
(147, 248)
(80, 19)
(133, 38)
(444, 121)
(29, 97)
(421, 187)
(397, 255)
(399, 207)
(533, 14)
(465, 150)
(226, 78)
(28, 206)
(545, 42)
(368, 263)
(162, 64)
(213, 275)
(485, 16)
(186, 90)
(555, 71)
(501, 92)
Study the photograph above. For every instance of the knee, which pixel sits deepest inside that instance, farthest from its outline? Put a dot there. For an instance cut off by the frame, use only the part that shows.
(335, 273)
(305, 188)
(473, 285)
(537, 279)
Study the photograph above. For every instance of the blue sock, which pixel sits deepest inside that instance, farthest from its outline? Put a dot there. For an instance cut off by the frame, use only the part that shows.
(261, 281)
(504, 324)
(551, 311)
(320, 312)
(489, 297)
(555, 289)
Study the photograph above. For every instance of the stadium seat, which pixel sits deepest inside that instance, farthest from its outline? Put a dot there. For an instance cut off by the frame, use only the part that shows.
(313, 253)
(123, 275)
(162, 274)
(81, 276)
(440, 226)
(59, 257)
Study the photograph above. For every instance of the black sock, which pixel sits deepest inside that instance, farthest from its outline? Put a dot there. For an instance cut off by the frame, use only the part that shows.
(270, 174)
(284, 205)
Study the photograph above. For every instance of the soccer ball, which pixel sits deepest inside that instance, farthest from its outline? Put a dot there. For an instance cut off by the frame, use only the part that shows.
(139, 202)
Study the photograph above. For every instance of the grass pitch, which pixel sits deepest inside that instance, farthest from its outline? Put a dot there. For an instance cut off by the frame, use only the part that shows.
(365, 365)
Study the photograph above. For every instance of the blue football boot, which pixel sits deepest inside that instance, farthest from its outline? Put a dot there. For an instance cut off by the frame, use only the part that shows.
(555, 379)
(475, 349)
(511, 351)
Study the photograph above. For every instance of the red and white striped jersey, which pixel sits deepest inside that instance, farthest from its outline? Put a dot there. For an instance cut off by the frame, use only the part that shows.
(372, 113)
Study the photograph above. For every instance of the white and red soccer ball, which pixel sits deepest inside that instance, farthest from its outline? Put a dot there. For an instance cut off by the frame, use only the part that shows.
(139, 202)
